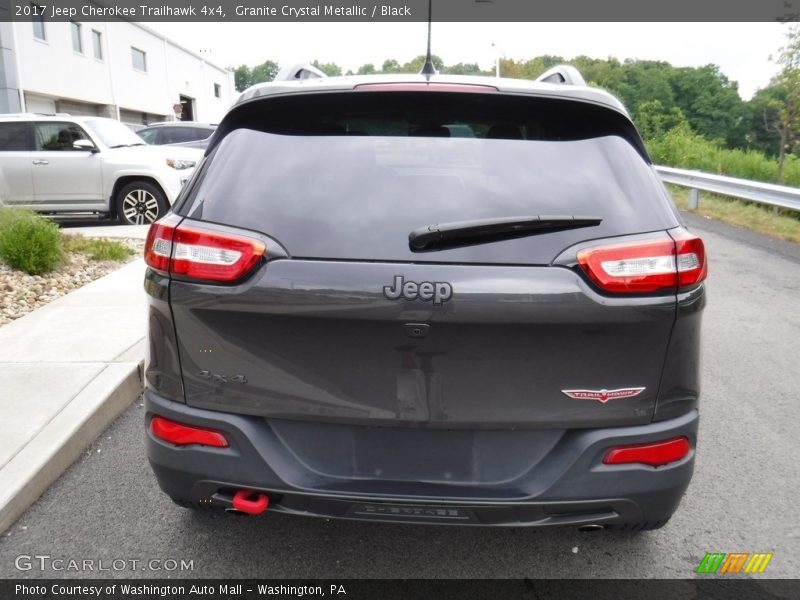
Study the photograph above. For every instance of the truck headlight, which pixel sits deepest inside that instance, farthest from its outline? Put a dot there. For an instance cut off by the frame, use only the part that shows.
(180, 163)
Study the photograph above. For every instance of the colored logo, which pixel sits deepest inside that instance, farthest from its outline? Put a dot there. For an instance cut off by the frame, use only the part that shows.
(603, 395)
(735, 562)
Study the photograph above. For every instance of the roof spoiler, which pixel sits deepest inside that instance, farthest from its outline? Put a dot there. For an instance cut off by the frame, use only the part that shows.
(566, 74)
(299, 71)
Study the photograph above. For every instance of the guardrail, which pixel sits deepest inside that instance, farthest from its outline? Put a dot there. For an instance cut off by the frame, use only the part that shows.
(764, 193)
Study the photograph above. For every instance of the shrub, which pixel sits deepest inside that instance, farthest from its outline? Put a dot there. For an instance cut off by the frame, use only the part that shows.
(96, 249)
(8, 215)
(681, 147)
(29, 242)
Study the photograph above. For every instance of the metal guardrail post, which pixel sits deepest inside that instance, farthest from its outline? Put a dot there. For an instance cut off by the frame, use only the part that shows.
(694, 198)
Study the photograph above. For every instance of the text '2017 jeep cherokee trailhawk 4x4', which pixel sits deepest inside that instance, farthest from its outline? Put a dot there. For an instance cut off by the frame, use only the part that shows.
(425, 299)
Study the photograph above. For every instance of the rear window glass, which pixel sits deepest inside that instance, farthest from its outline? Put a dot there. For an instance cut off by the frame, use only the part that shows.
(433, 114)
(16, 137)
(352, 184)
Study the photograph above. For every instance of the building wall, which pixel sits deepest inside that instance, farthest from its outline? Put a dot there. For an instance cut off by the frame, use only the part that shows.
(9, 86)
(79, 83)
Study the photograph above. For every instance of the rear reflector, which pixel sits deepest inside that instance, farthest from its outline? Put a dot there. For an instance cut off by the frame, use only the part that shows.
(645, 267)
(186, 435)
(653, 454)
(193, 252)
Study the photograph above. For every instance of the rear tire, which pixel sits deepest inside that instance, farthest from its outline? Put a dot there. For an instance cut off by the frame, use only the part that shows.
(140, 203)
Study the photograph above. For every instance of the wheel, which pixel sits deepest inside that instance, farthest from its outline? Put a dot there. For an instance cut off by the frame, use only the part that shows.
(140, 203)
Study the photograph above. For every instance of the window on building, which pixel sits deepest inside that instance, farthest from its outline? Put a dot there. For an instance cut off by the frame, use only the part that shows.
(97, 42)
(217, 90)
(139, 59)
(77, 38)
(37, 18)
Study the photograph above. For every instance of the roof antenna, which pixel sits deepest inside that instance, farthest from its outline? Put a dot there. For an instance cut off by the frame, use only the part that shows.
(428, 69)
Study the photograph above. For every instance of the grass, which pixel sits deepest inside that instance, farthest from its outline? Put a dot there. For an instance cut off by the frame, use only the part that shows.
(96, 249)
(785, 225)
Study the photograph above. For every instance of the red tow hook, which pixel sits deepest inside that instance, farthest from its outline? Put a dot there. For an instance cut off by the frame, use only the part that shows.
(250, 502)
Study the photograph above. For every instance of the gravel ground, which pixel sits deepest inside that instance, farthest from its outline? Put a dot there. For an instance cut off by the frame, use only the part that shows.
(21, 293)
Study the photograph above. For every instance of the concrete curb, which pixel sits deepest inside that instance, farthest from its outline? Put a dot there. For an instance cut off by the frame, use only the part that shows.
(66, 437)
(67, 370)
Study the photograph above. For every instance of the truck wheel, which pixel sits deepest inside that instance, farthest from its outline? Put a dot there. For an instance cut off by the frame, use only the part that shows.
(140, 203)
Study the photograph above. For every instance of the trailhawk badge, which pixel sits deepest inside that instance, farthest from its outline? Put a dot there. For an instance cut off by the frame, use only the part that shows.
(603, 395)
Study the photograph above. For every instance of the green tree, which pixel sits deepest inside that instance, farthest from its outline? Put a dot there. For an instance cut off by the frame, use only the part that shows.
(266, 71)
(765, 106)
(367, 69)
(330, 69)
(787, 124)
(244, 76)
(390, 66)
(654, 121)
(415, 64)
(711, 103)
(463, 69)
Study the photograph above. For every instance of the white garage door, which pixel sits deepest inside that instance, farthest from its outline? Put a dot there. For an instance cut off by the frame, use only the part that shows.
(40, 104)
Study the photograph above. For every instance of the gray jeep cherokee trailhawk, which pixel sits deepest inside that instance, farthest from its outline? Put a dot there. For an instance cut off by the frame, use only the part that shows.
(425, 299)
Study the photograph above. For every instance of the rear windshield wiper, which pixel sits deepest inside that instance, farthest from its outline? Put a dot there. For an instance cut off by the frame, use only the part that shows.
(483, 231)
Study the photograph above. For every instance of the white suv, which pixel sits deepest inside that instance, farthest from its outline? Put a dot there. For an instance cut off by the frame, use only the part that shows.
(61, 164)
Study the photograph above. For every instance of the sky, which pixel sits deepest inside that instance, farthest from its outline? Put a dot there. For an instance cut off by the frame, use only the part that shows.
(742, 50)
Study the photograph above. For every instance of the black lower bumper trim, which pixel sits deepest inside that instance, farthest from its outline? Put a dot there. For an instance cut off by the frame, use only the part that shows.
(570, 486)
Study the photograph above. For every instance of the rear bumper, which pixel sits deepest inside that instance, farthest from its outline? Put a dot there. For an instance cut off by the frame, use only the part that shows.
(563, 483)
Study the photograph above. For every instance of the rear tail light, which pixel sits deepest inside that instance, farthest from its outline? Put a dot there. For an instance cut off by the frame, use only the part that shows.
(654, 454)
(692, 265)
(193, 252)
(181, 434)
(646, 267)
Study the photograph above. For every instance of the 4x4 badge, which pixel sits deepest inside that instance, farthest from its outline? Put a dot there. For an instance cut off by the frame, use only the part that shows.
(603, 395)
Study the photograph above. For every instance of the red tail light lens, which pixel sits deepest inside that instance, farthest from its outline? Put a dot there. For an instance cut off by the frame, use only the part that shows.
(654, 454)
(186, 435)
(158, 247)
(646, 267)
(202, 254)
(692, 265)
